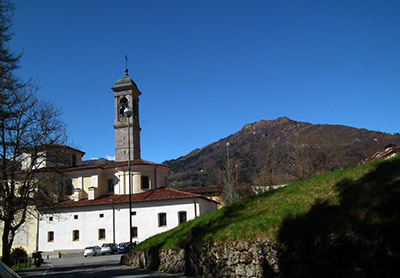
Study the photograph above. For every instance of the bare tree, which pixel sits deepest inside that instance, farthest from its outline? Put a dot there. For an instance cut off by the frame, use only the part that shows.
(234, 182)
(27, 125)
(313, 154)
(269, 170)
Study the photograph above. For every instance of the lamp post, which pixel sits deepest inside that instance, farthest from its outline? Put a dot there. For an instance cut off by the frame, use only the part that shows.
(128, 112)
(113, 208)
(377, 144)
(227, 153)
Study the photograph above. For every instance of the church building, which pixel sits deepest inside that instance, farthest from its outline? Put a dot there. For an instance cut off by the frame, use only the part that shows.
(99, 203)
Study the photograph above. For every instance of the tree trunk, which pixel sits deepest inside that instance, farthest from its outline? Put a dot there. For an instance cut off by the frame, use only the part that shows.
(7, 243)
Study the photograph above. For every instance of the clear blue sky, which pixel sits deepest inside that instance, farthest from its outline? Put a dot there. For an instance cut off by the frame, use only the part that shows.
(207, 68)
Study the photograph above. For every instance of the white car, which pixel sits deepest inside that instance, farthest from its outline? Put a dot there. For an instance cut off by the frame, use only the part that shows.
(108, 248)
(92, 251)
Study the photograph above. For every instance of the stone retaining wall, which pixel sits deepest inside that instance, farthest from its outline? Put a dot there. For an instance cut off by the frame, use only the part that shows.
(230, 259)
(62, 254)
(346, 256)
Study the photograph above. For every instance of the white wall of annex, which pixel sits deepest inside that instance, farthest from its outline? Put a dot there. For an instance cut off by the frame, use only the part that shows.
(146, 218)
(115, 221)
(64, 223)
(206, 206)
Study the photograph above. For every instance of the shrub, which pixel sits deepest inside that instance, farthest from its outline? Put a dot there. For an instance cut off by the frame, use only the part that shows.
(18, 254)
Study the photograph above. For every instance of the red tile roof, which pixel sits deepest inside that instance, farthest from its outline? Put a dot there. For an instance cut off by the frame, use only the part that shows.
(202, 190)
(54, 146)
(114, 164)
(159, 194)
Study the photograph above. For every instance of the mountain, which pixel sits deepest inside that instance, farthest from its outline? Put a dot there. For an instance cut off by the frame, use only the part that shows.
(263, 146)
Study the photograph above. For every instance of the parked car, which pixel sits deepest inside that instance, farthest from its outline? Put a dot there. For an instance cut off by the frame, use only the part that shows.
(92, 251)
(108, 248)
(124, 247)
(7, 272)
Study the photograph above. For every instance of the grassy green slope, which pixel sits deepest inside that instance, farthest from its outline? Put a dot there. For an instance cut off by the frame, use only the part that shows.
(355, 198)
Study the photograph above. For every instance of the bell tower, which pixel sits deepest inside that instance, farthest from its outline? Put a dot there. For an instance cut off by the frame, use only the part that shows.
(126, 94)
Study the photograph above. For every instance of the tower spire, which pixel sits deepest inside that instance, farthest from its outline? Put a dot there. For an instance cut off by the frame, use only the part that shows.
(126, 93)
(126, 63)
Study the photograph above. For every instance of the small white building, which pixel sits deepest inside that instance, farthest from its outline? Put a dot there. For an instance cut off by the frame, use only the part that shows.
(73, 225)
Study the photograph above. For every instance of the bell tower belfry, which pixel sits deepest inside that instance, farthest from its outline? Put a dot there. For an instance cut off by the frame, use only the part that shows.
(126, 94)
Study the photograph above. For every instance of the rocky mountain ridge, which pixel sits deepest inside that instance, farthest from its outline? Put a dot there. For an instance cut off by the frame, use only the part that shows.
(258, 146)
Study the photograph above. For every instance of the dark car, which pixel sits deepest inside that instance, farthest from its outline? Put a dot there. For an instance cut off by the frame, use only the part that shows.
(6, 272)
(108, 248)
(124, 247)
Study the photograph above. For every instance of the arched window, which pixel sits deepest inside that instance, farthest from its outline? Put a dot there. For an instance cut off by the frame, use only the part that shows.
(123, 103)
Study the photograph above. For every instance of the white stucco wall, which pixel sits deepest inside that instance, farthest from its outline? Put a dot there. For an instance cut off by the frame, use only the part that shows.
(89, 222)
(26, 161)
(206, 206)
(98, 178)
(146, 218)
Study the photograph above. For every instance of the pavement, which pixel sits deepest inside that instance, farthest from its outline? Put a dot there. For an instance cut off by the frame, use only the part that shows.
(89, 267)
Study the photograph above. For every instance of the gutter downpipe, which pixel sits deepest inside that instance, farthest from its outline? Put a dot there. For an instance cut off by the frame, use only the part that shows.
(113, 224)
(195, 207)
(37, 232)
(113, 209)
(130, 186)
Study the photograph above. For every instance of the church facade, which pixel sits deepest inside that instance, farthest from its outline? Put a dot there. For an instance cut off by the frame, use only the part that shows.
(97, 209)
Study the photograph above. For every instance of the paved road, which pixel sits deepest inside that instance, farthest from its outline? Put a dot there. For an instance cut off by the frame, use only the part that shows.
(90, 267)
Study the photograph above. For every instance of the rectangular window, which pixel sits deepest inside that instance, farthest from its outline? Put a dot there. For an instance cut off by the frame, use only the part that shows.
(145, 182)
(75, 235)
(75, 216)
(102, 234)
(182, 217)
(162, 219)
(50, 236)
(134, 232)
(69, 188)
(111, 185)
(50, 218)
(101, 215)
